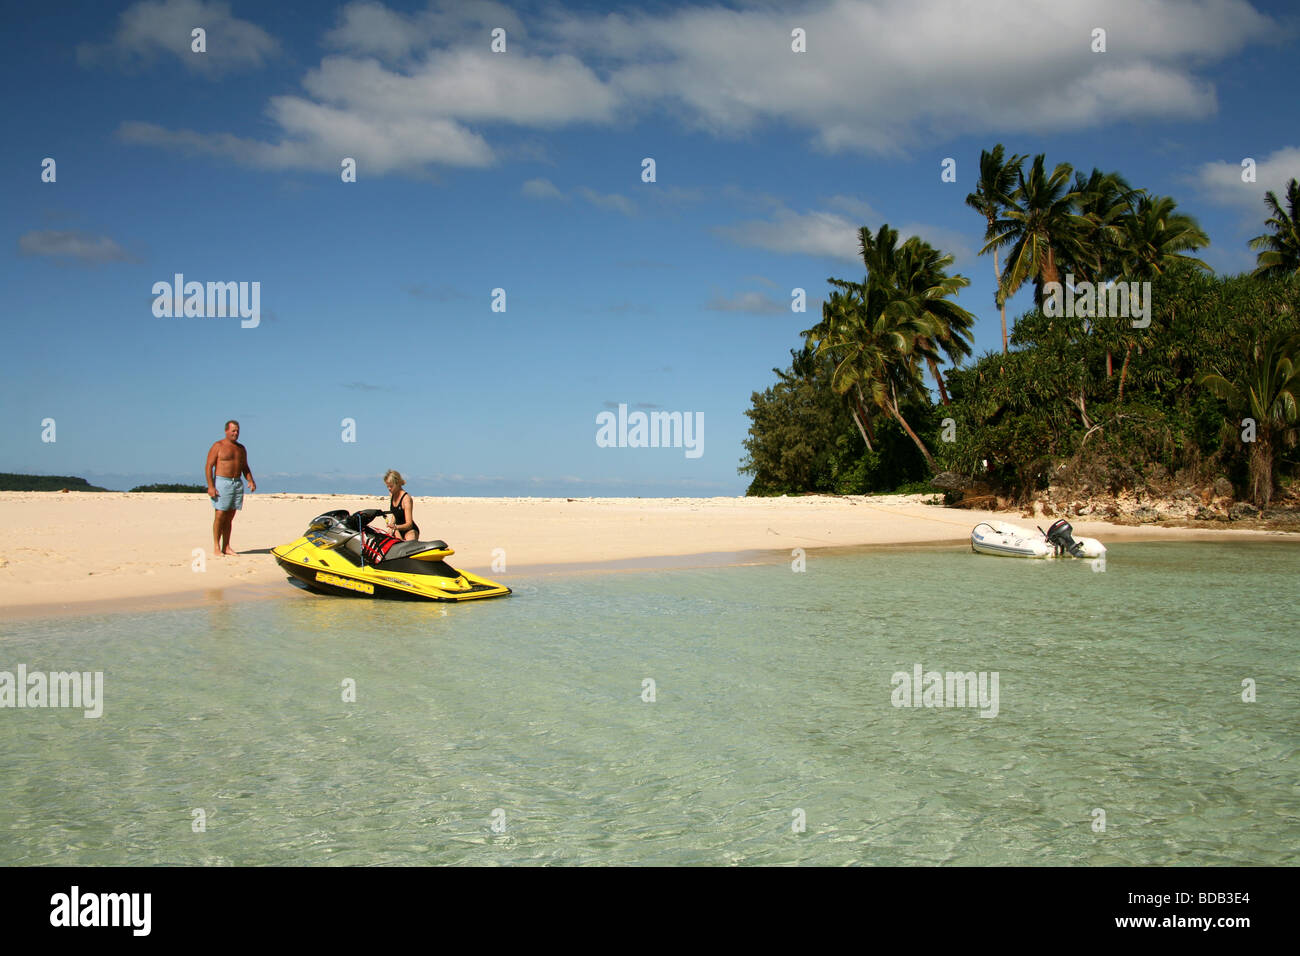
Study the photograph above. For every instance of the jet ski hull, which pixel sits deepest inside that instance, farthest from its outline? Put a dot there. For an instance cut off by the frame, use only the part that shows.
(331, 570)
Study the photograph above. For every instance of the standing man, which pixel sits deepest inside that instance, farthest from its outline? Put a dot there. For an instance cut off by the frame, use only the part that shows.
(230, 461)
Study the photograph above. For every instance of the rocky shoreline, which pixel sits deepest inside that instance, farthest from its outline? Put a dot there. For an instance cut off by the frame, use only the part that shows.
(1192, 506)
(1185, 507)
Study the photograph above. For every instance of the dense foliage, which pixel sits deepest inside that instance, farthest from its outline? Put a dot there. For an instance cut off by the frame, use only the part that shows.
(1208, 389)
(801, 439)
(1048, 403)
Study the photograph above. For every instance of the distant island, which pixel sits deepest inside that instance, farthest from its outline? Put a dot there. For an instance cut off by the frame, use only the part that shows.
(12, 482)
(173, 489)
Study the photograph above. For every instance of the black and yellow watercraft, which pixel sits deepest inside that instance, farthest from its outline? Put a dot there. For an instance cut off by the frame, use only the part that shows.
(339, 554)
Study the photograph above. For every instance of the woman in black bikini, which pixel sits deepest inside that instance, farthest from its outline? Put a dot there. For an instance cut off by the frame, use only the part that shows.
(403, 506)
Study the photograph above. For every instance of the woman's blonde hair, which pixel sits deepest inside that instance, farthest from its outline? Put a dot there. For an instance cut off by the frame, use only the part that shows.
(395, 476)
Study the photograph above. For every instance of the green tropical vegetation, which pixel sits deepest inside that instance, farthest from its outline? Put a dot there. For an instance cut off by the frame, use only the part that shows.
(1280, 247)
(1265, 392)
(1207, 391)
(993, 194)
(173, 489)
(15, 482)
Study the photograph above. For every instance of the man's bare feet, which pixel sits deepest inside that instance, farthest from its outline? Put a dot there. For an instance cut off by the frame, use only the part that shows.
(230, 553)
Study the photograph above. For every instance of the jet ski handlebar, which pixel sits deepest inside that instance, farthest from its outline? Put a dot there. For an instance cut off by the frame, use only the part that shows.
(358, 520)
(355, 521)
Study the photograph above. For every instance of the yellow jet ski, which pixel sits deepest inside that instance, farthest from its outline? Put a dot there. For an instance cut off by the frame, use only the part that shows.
(339, 554)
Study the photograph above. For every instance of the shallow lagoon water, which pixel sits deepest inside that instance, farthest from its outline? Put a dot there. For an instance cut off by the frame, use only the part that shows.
(1118, 690)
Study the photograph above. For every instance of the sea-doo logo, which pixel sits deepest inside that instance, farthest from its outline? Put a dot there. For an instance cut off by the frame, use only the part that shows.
(339, 582)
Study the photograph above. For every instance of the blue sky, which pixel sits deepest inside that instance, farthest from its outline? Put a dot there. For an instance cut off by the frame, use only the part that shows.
(522, 170)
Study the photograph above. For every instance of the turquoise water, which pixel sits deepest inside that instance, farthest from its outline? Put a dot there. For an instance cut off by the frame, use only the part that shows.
(1119, 691)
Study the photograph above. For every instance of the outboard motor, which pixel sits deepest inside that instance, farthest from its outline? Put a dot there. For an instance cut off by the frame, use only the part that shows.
(1061, 537)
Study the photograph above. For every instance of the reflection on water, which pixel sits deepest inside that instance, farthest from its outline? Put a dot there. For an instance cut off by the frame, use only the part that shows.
(321, 730)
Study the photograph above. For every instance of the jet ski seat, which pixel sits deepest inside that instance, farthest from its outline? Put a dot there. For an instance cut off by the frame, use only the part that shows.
(381, 548)
(404, 549)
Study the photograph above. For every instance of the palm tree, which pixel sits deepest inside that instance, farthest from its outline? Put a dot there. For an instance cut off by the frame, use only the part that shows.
(921, 276)
(993, 194)
(879, 254)
(1101, 200)
(918, 271)
(1267, 389)
(1041, 227)
(872, 332)
(1281, 255)
(1155, 237)
(839, 313)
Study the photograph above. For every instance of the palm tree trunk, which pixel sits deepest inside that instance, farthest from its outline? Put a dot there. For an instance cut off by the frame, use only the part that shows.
(934, 370)
(1123, 372)
(861, 419)
(898, 416)
(853, 413)
(997, 274)
(1261, 471)
(1050, 272)
(929, 459)
(1110, 369)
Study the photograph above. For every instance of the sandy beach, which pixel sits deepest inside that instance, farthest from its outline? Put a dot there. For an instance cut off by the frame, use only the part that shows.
(81, 552)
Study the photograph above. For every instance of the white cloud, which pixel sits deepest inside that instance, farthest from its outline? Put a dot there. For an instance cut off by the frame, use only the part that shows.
(880, 75)
(752, 301)
(371, 29)
(541, 189)
(318, 137)
(72, 244)
(413, 89)
(951, 241)
(545, 189)
(859, 209)
(404, 121)
(607, 200)
(1220, 182)
(152, 28)
(470, 85)
(814, 233)
(831, 235)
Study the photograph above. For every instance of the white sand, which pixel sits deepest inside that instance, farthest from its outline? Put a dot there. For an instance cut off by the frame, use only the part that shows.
(75, 551)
